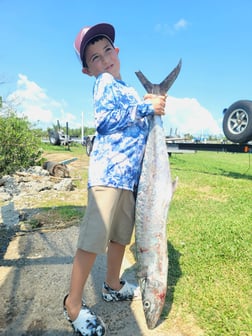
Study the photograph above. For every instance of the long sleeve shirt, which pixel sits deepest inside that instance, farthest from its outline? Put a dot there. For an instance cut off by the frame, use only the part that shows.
(122, 129)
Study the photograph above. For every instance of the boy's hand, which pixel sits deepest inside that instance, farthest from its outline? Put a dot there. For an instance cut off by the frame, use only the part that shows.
(158, 103)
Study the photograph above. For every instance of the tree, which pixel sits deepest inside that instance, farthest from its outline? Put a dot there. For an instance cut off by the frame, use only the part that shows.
(19, 144)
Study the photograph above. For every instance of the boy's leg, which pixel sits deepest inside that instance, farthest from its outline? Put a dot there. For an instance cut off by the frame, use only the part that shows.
(116, 289)
(120, 236)
(114, 262)
(83, 262)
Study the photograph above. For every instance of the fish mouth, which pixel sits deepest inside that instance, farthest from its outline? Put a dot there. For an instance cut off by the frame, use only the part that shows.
(153, 300)
(152, 313)
(152, 319)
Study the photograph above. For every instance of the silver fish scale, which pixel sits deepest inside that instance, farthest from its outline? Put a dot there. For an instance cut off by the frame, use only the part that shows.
(152, 204)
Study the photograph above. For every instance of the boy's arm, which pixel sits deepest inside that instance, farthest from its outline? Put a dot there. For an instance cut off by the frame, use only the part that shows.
(115, 108)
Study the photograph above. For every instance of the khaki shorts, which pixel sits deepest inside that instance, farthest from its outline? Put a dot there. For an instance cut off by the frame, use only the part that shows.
(109, 216)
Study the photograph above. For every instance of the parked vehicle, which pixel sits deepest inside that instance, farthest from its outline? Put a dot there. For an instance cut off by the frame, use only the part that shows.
(237, 121)
(88, 142)
(57, 136)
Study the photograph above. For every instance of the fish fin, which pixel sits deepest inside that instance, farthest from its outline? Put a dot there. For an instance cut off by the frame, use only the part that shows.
(165, 85)
(145, 82)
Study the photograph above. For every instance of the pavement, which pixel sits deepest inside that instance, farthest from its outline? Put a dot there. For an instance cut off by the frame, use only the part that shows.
(34, 278)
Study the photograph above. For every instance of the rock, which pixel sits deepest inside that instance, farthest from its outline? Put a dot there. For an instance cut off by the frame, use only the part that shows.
(64, 185)
(32, 181)
(9, 216)
(25, 226)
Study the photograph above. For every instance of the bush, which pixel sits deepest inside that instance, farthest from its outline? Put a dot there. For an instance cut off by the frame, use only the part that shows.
(19, 144)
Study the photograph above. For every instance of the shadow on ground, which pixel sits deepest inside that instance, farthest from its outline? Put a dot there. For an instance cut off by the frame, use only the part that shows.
(35, 274)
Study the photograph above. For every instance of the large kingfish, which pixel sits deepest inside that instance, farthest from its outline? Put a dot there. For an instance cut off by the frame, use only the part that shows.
(152, 204)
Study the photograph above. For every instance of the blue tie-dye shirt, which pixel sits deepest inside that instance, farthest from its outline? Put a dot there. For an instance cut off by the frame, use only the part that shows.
(122, 128)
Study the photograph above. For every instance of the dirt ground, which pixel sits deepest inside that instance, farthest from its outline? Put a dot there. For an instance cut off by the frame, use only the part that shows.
(35, 270)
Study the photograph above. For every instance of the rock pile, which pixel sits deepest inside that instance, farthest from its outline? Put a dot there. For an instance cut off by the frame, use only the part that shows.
(31, 181)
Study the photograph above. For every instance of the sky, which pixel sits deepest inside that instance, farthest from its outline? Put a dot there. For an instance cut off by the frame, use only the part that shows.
(41, 76)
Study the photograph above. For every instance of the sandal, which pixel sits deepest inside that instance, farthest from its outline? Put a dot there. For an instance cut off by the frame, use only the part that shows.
(87, 322)
(128, 292)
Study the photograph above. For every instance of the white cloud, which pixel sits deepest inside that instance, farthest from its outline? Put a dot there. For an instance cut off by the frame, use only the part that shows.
(163, 29)
(36, 112)
(181, 24)
(167, 29)
(33, 102)
(186, 115)
(29, 90)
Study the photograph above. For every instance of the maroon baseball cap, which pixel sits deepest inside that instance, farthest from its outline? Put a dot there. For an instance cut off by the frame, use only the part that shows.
(87, 33)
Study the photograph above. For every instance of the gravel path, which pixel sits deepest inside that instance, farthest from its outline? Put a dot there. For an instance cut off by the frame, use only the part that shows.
(34, 277)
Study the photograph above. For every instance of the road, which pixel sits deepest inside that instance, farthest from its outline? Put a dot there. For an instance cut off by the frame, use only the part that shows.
(34, 278)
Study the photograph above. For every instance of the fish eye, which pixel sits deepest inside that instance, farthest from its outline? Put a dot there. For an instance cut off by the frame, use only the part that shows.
(146, 304)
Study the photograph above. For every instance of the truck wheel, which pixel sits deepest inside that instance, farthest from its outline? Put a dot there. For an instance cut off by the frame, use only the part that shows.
(54, 138)
(89, 146)
(237, 122)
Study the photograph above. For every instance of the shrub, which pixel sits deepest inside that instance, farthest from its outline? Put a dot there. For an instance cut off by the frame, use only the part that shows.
(19, 144)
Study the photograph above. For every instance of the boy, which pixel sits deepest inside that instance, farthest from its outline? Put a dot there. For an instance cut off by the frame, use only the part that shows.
(121, 120)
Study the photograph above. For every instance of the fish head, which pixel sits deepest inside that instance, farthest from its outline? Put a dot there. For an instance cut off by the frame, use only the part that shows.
(153, 298)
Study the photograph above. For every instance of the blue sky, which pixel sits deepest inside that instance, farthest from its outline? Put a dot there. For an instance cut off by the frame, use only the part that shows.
(43, 77)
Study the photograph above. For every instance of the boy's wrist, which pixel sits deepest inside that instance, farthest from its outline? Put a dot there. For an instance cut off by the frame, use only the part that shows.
(145, 109)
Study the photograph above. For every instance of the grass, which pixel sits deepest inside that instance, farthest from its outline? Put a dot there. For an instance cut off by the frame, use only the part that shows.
(74, 148)
(57, 217)
(209, 233)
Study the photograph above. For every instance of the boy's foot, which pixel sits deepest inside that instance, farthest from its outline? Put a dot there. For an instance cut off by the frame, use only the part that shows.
(87, 322)
(126, 293)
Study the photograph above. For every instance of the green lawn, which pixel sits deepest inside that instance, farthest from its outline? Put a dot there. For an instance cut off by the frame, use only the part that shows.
(209, 233)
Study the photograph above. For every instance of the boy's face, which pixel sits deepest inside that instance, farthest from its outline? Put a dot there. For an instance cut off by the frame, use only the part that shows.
(102, 57)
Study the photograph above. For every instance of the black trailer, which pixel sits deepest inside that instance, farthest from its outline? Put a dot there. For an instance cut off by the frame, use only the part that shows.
(187, 147)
